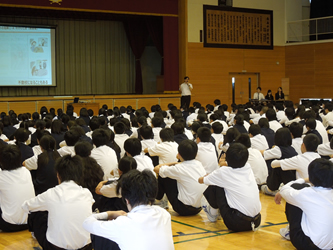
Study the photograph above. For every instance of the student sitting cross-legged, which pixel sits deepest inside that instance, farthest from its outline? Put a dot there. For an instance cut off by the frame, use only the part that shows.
(179, 180)
(233, 192)
(143, 227)
(67, 204)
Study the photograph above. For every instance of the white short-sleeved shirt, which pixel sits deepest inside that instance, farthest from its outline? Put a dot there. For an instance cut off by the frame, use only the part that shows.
(156, 132)
(31, 163)
(317, 206)
(259, 142)
(218, 138)
(144, 162)
(325, 149)
(258, 165)
(106, 157)
(15, 187)
(166, 151)
(274, 125)
(300, 163)
(120, 140)
(37, 150)
(109, 190)
(68, 205)
(147, 143)
(273, 153)
(240, 188)
(186, 89)
(147, 226)
(296, 144)
(207, 156)
(187, 173)
(66, 150)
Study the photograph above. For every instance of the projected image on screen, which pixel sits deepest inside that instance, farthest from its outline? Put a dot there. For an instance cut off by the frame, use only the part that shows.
(27, 56)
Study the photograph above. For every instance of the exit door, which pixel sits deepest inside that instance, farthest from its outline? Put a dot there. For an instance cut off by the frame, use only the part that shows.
(243, 86)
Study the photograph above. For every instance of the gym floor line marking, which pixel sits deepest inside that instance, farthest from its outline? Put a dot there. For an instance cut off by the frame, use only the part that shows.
(217, 233)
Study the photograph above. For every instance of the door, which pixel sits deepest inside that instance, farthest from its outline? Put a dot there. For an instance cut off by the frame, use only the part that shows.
(243, 86)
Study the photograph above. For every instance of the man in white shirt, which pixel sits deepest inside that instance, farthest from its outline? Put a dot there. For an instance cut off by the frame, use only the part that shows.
(179, 180)
(309, 209)
(258, 95)
(67, 204)
(143, 227)
(15, 187)
(185, 89)
(233, 191)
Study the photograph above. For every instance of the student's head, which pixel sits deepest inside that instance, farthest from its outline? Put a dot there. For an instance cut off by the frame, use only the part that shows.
(311, 142)
(204, 134)
(289, 112)
(71, 137)
(188, 150)
(83, 148)
(296, 129)
(126, 164)
(146, 132)
(263, 123)
(100, 137)
(133, 146)
(239, 119)
(217, 102)
(309, 114)
(178, 128)
(231, 135)
(10, 157)
(202, 117)
(254, 129)
(56, 127)
(321, 173)
(119, 128)
(138, 188)
(237, 155)
(21, 135)
(40, 124)
(283, 137)
(244, 139)
(157, 122)
(69, 168)
(217, 128)
(47, 142)
(167, 134)
(195, 126)
(311, 123)
(271, 114)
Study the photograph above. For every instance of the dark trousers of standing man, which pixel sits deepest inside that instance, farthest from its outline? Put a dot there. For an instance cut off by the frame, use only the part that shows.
(185, 101)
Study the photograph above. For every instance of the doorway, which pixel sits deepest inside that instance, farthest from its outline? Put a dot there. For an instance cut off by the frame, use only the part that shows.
(243, 86)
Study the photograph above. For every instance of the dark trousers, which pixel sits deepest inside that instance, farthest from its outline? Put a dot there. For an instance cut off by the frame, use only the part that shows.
(112, 204)
(169, 187)
(294, 217)
(233, 219)
(278, 176)
(100, 243)
(8, 227)
(37, 222)
(185, 101)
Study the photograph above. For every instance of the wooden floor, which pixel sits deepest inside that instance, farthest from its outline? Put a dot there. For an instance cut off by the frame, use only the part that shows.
(196, 232)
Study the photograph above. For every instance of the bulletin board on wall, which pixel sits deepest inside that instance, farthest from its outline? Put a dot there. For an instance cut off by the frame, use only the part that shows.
(228, 27)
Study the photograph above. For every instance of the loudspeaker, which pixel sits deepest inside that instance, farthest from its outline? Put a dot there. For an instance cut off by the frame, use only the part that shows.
(223, 3)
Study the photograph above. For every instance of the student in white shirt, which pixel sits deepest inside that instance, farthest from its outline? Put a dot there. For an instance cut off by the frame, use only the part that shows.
(296, 130)
(104, 155)
(258, 141)
(15, 187)
(179, 180)
(146, 133)
(71, 137)
(143, 227)
(233, 192)
(156, 123)
(67, 204)
(309, 209)
(120, 136)
(272, 120)
(207, 154)
(217, 129)
(326, 149)
(167, 150)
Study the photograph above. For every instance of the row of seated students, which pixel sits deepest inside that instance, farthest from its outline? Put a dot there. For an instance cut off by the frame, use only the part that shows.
(185, 157)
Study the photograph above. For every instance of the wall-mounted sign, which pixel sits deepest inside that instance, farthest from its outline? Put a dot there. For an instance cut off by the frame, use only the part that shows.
(228, 27)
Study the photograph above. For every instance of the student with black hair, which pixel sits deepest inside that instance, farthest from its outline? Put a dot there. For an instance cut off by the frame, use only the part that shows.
(202, 117)
(258, 141)
(232, 192)
(71, 137)
(8, 129)
(301, 162)
(133, 148)
(128, 130)
(256, 161)
(147, 225)
(319, 125)
(311, 127)
(216, 117)
(239, 124)
(309, 208)
(266, 131)
(178, 130)
(57, 132)
(156, 123)
(67, 204)
(179, 180)
(15, 187)
(120, 136)
(104, 155)
(216, 131)
(207, 153)
(39, 125)
(272, 120)
(147, 135)
(21, 136)
(229, 139)
(166, 150)
(296, 130)
(282, 150)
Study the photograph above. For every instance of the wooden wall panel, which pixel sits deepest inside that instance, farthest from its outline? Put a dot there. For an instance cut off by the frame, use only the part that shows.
(108, 102)
(209, 68)
(147, 102)
(125, 102)
(4, 107)
(22, 107)
(50, 104)
(165, 101)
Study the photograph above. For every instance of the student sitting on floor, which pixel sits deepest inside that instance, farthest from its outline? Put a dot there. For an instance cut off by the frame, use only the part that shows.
(258, 141)
(179, 180)
(67, 204)
(233, 192)
(296, 130)
(309, 209)
(15, 187)
(144, 227)
(71, 137)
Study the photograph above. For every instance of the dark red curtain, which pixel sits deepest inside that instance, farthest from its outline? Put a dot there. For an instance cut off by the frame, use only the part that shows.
(155, 28)
(137, 34)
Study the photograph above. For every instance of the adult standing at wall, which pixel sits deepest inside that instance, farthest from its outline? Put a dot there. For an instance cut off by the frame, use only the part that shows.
(185, 88)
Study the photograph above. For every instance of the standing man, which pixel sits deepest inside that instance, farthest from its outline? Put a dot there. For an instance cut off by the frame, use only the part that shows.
(258, 95)
(185, 88)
